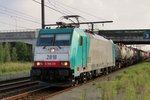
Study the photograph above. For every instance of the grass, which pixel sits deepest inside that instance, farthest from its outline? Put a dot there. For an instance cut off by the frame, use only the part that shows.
(131, 84)
(83, 96)
(15, 68)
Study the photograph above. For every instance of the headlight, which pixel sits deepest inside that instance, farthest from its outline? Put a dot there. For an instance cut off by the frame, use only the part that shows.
(38, 63)
(65, 63)
(52, 50)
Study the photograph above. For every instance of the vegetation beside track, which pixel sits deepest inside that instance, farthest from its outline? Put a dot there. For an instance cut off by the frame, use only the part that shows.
(15, 68)
(131, 84)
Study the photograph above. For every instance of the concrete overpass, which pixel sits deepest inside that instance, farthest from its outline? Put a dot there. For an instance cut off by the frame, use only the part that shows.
(26, 36)
(123, 36)
(137, 36)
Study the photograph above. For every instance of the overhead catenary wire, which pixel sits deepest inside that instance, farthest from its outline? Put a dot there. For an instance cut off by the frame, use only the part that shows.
(56, 9)
(51, 8)
(20, 17)
(11, 12)
(64, 9)
(60, 7)
(54, 5)
(18, 12)
(80, 10)
(8, 24)
(4, 13)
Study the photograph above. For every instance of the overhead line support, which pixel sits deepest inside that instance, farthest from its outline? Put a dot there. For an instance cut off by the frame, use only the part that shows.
(42, 14)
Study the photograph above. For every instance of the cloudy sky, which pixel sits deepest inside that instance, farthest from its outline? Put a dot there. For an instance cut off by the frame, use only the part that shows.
(125, 14)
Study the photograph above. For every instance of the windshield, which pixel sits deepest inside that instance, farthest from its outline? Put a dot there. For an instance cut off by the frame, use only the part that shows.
(46, 40)
(62, 39)
(54, 40)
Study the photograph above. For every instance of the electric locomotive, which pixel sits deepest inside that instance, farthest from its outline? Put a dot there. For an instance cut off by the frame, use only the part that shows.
(68, 54)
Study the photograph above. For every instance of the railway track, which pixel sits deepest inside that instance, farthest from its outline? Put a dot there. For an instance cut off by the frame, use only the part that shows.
(15, 86)
(42, 92)
(14, 80)
(38, 94)
(47, 91)
(25, 89)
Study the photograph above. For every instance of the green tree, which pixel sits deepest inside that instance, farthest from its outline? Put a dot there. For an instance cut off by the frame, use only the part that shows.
(1, 53)
(14, 54)
(21, 49)
(24, 51)
(29, 55)
(7, 52)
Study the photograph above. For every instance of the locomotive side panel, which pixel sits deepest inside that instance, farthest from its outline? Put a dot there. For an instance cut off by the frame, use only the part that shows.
(78, 52)
(101, 53)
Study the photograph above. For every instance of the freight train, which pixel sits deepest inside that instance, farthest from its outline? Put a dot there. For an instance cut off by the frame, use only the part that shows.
(69, 55)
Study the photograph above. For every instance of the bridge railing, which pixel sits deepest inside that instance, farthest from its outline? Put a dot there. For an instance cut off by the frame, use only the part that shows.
(23, 30)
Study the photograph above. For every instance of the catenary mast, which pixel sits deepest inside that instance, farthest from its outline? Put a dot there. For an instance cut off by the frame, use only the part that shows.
(42, 14)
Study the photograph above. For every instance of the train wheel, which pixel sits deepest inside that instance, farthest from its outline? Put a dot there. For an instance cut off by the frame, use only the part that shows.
(119, 65)
(107, 71)
(84, 80)
(90, 75)
(76, 83)
(110, 69)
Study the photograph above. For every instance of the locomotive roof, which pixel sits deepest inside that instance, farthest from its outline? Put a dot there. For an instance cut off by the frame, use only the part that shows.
(100, 37)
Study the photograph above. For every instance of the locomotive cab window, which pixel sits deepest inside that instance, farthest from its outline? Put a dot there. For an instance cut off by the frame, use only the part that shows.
(54, 40)
(62, 39)
(46, 40)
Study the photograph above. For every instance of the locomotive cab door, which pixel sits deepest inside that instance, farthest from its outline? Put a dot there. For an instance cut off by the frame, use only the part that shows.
(83, 44)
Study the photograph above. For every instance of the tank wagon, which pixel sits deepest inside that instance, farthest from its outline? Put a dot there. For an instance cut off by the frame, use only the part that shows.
(126, 56)
(68, 55)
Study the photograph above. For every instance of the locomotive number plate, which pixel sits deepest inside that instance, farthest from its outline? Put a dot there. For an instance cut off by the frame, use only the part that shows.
(51, 57)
